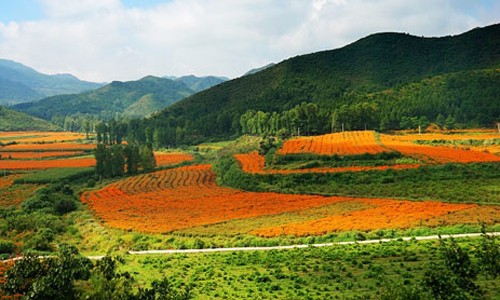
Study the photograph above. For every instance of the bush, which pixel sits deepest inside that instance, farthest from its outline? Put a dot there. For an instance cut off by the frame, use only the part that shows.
(7, 247)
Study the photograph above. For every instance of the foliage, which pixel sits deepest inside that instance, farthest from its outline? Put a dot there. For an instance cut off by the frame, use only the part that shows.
(111, 161)
(489, 254)
(15, 121)
(51, 278)
(55, 175)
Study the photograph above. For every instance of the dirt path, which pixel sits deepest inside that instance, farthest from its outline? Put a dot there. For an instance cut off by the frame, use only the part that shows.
(231, 249)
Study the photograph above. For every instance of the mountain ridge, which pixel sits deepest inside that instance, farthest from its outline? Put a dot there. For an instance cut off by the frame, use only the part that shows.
(25, 84)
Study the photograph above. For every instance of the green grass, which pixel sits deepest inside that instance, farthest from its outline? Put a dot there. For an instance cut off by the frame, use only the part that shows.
(343, 272)
(55, 175)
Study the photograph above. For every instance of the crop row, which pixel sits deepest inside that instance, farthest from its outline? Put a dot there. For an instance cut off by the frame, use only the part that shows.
(342, 143)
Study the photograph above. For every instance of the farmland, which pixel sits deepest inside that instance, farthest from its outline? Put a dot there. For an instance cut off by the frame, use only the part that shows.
(337, 187)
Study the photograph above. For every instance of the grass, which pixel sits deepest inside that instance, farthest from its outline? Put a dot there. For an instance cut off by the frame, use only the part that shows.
(55, 175)
(343, 272)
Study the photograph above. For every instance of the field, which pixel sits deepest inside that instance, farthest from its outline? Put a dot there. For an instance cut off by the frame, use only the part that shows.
(338, 187)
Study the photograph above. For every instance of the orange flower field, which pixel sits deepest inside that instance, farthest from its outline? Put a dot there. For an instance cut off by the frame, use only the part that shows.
(165, 159)
(436, 154)
(342, 143)
(186, 197)
(385, 214)
(254, 163)
(40, 137)
(46, 164)
(49, 147)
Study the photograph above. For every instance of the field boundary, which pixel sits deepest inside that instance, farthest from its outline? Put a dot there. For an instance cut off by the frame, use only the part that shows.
(267, 248)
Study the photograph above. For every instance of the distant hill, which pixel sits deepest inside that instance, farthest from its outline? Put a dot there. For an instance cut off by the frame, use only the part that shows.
(130, 99)
(360, 72)
(19, 83)
(11, 120)
(198, 84)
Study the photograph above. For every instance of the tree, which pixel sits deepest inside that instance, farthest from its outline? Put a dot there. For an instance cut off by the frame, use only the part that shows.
(50, 278)
(147, 156)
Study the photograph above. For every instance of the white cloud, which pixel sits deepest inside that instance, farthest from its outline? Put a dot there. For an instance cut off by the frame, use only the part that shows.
(102, 40)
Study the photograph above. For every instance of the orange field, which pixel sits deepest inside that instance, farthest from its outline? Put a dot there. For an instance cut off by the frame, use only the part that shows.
(385, 214)
(49, 147)
(37, 155)
(342, 143)
(46, 164)
(254, 163)
(436, 154)
(164, 159)
(40, 137)
(187, 197)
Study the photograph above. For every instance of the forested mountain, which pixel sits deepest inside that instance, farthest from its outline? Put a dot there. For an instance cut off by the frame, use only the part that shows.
(118, 99)
(399, 76)
(11, 120)
(19, 83)
(198, 84)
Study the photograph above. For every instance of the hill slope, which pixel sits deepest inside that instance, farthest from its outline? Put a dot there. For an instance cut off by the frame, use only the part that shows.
(19, 83)
(344, 76)
(132, 99)
(11, 120)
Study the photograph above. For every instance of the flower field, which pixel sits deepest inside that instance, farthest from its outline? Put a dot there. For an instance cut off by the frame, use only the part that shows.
(188, 197)
(165, 159)
(47, 164)
(254, 163)
(58, 146)
(40, 137)
(385, 214)
(436, 154)
(342, 143)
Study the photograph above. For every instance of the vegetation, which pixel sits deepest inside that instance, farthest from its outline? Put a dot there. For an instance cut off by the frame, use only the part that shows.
(15, 121)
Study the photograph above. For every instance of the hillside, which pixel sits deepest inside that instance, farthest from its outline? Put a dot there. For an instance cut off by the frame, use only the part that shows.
(19, 83)
(349, 75)
(11, 120)
(131, 99)
(198, 84)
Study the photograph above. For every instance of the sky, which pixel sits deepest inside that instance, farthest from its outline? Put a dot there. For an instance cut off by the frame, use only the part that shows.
(106, 40)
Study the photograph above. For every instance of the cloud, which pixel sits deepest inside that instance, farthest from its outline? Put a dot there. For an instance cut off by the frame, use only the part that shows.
(104, 40)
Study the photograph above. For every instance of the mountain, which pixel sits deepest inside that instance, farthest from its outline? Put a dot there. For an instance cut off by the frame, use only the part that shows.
(198, 84)
(19, 83)
(376, 64)
(131, 99)
(11, 120)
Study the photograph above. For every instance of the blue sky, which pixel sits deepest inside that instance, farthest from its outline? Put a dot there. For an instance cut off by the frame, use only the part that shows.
(104, 40)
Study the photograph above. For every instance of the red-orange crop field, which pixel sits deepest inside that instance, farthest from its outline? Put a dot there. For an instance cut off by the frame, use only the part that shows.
(46, 164)
(254, 163)
(49, 147)
(187, 197)
(40, 137)
(386, 214)
(436, 154)
(342, 143)
(165, 159)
